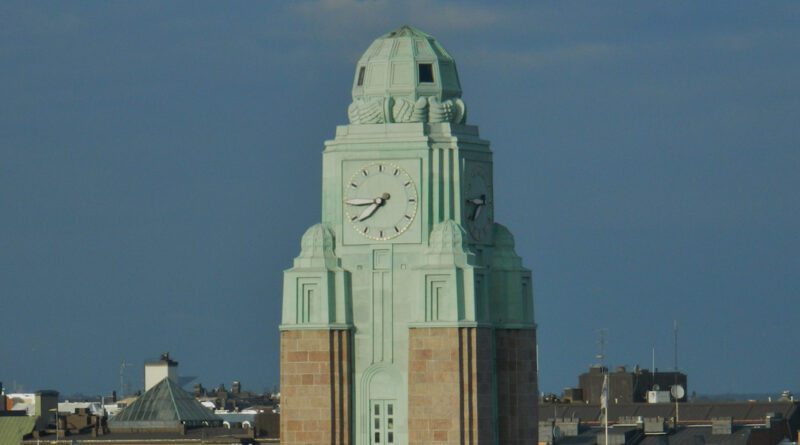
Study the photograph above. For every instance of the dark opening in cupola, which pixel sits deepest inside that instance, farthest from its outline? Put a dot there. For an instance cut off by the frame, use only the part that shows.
(425, 73)
(361, 72)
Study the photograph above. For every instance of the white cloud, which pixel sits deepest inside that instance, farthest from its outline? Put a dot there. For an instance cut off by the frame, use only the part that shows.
(457, 16)
(346, 16)
(572, 54)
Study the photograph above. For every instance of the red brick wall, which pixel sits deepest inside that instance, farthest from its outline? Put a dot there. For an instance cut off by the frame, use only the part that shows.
(450, 385)
(517, 389)
(315, 387)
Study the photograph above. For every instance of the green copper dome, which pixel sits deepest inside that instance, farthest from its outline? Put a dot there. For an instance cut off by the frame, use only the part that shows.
(406, 63)
(406, 76)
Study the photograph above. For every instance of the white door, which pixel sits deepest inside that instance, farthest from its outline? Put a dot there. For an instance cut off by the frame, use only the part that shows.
(382, 414)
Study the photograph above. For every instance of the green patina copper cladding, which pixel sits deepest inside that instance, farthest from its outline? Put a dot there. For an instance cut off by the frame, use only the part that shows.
(316, 290)
(406, 76)
(379, 267)
(392, 65)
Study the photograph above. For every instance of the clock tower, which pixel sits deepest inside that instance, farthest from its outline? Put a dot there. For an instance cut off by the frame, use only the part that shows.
(408, 317)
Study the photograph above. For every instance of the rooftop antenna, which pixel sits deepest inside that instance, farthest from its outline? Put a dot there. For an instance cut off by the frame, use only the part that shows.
(601, 342)
(675, 332)
(604, 392)
(122, 367)
(653, 369)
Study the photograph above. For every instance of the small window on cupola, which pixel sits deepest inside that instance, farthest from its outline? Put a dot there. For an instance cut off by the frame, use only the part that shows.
(361, 72)
(425, 73)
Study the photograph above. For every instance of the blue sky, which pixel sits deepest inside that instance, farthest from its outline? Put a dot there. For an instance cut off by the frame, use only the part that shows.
(159, 162)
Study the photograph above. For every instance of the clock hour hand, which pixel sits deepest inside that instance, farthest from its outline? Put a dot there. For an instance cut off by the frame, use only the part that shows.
(359, 201)
(478, 203)
(477, 212)
(377, 202)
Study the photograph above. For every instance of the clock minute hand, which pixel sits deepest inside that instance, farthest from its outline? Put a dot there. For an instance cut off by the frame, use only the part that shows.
(359, 201)
(368, 211)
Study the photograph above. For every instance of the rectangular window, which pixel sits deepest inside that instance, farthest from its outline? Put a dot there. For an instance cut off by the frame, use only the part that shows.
(425, 73)
(361, 72)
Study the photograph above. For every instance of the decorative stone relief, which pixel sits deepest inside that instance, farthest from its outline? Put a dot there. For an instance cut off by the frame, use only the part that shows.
(316, 291)
(449, 292)
(379, 110)
(406, 111)
(448, 245)
(367, 111)
(451, 110)
(511, 282)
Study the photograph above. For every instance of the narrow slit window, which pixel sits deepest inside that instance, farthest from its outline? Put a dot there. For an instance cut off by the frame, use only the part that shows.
(425, 73)
(361, 72)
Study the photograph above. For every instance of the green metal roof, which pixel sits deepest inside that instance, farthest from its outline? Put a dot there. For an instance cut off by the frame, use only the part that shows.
(162, 405)
(389, 67)
(14, 428)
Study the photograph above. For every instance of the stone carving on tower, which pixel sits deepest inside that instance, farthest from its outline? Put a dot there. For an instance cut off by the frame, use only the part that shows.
(408, 317)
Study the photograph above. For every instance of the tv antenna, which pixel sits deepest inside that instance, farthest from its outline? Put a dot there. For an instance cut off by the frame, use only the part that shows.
(122, 367)
(675, 333)
(601, 343)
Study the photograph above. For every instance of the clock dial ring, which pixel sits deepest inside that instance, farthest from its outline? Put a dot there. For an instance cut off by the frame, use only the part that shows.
(380, 201)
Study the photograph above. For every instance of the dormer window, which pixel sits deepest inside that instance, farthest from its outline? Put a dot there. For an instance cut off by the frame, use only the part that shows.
(425, 73)
(361, 72)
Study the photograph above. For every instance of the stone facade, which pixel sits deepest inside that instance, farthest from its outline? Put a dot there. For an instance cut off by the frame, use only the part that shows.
(517, 389)
(315, 387)
(450, 386)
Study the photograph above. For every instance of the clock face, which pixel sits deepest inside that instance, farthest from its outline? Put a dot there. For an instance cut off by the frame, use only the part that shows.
(478, 205)
(380, 201)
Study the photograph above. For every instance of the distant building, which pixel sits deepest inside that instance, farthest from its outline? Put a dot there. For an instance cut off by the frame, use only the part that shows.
(236, 399)
(729, 423)
(21, 401)
(164, 407)
(626, 386)
(157, 370)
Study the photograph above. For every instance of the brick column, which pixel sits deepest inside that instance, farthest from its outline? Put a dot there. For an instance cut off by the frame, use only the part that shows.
(517, 389)
(450, 386)
(315, 387)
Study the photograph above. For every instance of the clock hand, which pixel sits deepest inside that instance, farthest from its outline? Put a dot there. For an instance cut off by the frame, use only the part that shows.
(377, 202)
(478, 203)
(368, 211)
(359, 201)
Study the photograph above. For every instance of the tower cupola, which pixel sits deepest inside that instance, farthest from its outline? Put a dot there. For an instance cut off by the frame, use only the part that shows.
(406, 76)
